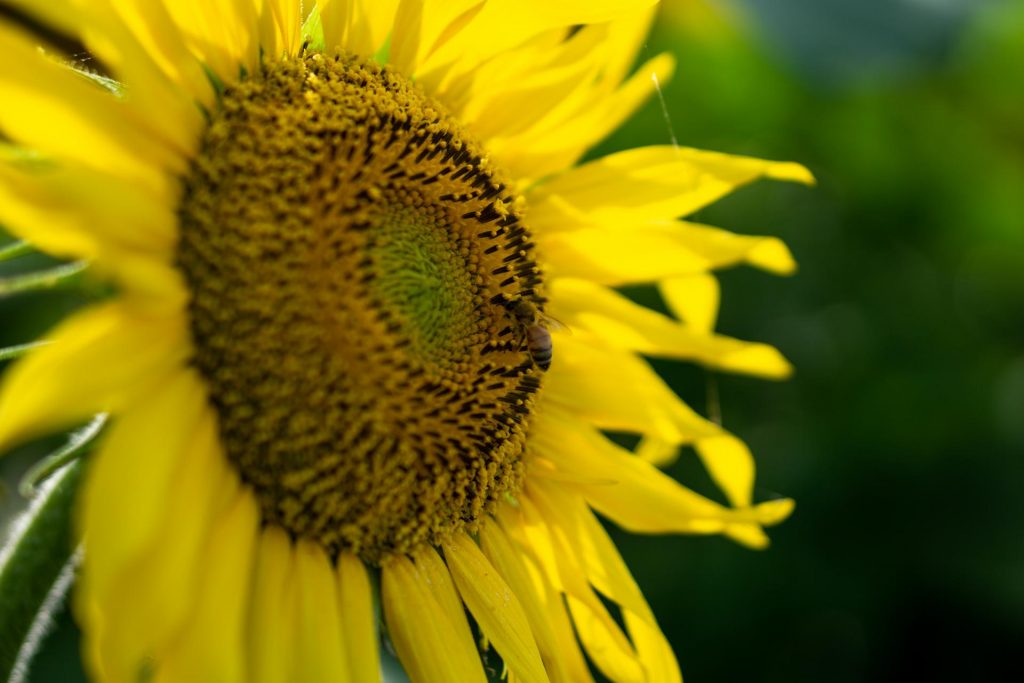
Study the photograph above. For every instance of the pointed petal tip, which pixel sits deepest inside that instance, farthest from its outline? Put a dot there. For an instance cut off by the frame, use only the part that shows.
(758, 360)
(772, 255)
(751, 533)
(792, 171)
(774, 512)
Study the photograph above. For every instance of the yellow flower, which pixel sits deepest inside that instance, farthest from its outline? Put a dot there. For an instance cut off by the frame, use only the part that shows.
(327, 355)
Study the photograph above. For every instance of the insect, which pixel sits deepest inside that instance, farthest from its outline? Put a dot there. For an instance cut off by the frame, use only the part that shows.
(533, 325)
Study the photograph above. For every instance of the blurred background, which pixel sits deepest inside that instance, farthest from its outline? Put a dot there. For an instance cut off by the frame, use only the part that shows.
(901, 435)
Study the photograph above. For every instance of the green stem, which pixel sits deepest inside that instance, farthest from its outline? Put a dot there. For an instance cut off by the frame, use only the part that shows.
(35, 571)
(42, 279)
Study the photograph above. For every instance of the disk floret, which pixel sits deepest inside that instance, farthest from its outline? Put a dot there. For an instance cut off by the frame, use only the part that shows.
(350, 256)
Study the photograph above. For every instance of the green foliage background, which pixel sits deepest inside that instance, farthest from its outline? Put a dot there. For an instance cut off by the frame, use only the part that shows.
(901, 436)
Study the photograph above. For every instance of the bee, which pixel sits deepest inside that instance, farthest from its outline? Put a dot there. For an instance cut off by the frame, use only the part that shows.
(533, 326)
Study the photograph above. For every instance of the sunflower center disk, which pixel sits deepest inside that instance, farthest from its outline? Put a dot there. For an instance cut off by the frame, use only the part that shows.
(353, 262)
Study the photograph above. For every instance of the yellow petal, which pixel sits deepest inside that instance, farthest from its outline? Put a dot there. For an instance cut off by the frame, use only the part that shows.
(433, 569)
(601, 636)
(420, 24)
(574, 525)
(627, 253)
(164, 94)
(495, 607)
(503, 24)
(429, 644)
(775, 511)
(731, 466)
(335, 18)
(614, 389)
(605, 644)
(620, 323)
(547, 80)
(523, 524)
(358, 624)
(163, 88)
(212, 647)
(653, 184)
(67, 211)
(140, 601)
(628, 490)
(654, 649)
(103, 359)
(96, 129)
(722, 248)
(655, 451)
(555, 145)
(153, 287)
(133, 471)
(618, 256)
(626, 36)
(600, 55)
(319, 653)
(590, 545)
(155, 32)
(693, 299)
(372, 21)
(221, 33)
(610, 575)
(465, 91)
(284, 36)
(274, 621)
(542, 605)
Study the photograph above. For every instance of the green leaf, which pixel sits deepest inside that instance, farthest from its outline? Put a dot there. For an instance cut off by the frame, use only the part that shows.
(36, 569)
(41, 279)
(78, 444)
(14, 250)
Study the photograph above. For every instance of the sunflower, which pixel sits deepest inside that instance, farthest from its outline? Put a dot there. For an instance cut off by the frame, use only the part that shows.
(339, 240)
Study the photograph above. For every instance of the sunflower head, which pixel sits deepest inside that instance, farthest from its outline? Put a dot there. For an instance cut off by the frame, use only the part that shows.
(350, 254)
(330, 355)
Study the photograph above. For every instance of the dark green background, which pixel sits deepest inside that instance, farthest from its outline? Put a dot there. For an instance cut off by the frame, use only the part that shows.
(900, 436)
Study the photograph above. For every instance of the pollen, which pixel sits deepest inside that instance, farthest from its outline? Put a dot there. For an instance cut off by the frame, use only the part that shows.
(352, 260)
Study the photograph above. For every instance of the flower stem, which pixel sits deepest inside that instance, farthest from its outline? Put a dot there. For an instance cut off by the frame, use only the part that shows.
(36, 565)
